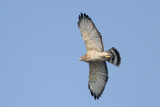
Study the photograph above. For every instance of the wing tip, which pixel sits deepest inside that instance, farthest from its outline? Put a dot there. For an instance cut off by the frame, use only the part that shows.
(83, 16)
(95, 95)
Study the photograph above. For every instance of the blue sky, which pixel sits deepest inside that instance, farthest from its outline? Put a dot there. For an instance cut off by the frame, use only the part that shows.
(40, 44)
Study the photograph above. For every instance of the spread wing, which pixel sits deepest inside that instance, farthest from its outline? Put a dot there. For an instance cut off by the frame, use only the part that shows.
(90, 34)
(98, 77)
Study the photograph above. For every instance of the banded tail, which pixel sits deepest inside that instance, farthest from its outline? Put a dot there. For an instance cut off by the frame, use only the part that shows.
(115, 56)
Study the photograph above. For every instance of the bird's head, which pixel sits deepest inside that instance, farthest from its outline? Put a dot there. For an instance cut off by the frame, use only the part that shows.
(82, 58)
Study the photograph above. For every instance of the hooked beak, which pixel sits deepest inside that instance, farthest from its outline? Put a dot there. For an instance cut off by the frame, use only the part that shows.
(79, 59)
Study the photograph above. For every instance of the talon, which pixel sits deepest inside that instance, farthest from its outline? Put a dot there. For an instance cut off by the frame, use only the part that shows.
(108, 56)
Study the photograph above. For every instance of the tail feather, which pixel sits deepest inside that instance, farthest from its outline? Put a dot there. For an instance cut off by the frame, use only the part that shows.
(115, 56)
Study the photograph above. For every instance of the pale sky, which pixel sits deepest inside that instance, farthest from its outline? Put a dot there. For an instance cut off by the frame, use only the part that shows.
(40, 44)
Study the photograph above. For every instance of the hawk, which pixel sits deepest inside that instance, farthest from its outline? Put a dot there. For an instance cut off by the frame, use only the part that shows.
(96, 56)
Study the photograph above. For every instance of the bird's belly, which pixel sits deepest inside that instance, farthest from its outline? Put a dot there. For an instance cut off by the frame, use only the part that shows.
(97, 57)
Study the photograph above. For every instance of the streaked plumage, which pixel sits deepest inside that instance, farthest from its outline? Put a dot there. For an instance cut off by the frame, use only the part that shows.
(96, 56)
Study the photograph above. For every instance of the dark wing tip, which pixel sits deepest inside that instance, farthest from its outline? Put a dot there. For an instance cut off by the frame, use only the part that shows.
(96, 96)
(83, 16)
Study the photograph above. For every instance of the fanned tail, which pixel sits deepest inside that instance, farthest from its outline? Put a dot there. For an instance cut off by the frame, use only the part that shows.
(115, 58)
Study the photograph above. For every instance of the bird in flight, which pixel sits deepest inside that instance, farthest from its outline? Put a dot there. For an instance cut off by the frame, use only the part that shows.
(96, 56)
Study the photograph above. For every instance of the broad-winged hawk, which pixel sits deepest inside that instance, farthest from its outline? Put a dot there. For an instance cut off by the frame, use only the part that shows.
(96, 56)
